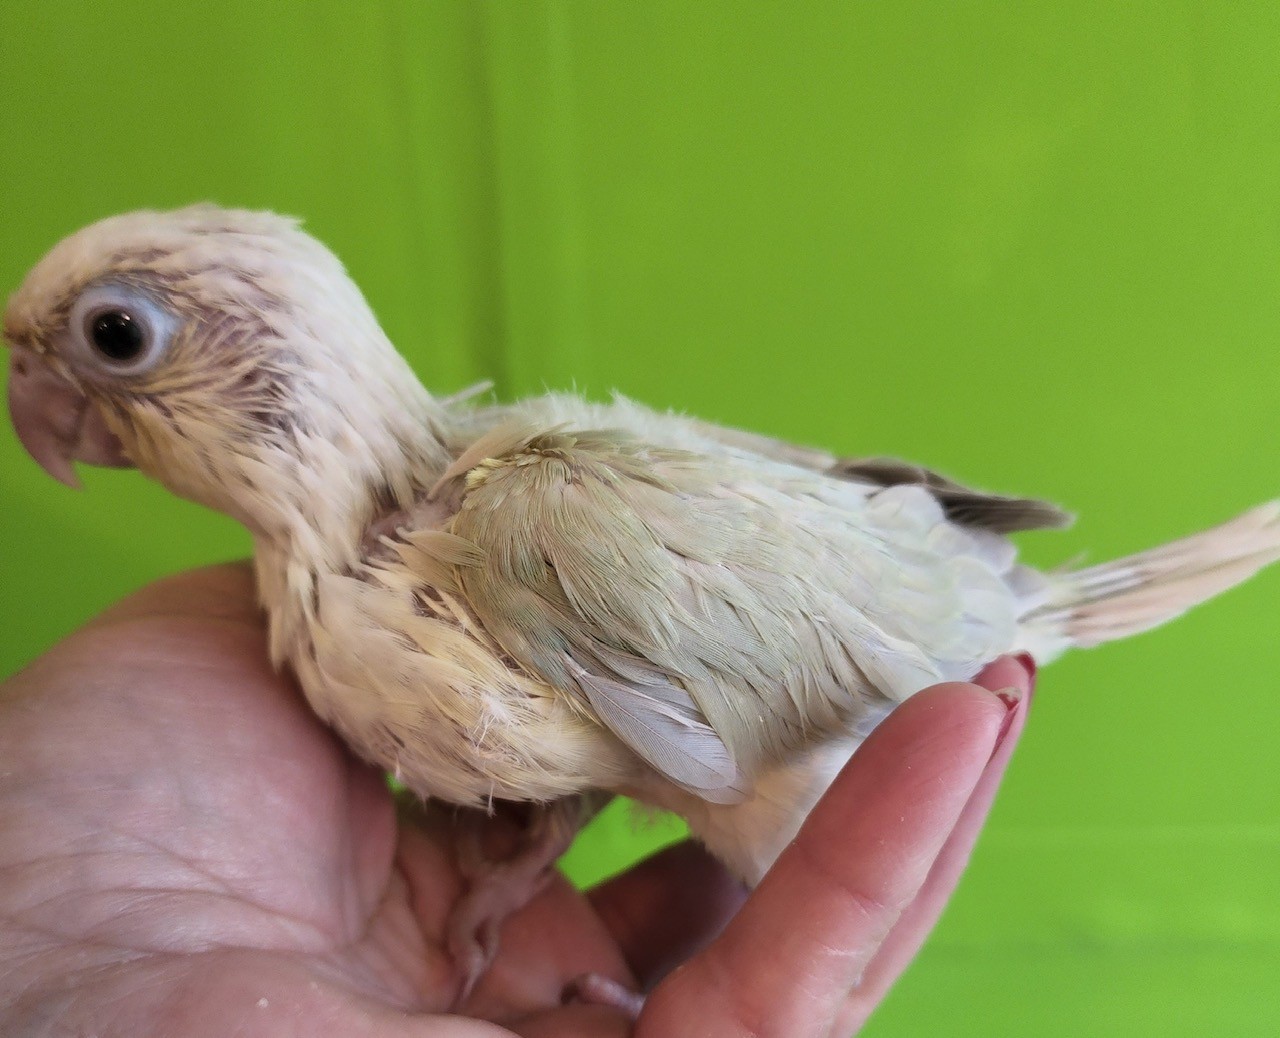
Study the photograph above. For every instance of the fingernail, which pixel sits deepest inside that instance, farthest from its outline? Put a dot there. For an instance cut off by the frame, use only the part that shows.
(1028, 664)
(1012, 698)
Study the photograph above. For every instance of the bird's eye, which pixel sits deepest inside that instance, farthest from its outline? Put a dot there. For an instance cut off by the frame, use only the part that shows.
(120, 329)
(117, 335)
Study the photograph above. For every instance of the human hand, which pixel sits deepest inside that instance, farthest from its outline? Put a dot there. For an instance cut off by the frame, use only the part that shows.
(186, 851)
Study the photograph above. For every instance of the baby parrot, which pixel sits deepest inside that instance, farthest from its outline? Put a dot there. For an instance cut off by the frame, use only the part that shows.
(536, 601)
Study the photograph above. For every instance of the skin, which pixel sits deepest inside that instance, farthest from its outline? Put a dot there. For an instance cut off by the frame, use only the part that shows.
(186, 851)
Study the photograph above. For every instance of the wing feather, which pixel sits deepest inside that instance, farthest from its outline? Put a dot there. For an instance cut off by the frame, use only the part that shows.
(712, 617)
(661, 723)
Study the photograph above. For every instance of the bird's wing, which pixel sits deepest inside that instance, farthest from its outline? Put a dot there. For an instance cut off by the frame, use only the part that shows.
(712, 622)
(964, 506)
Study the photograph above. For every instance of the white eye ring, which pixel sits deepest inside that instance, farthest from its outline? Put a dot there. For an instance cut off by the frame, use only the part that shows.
(120, 328)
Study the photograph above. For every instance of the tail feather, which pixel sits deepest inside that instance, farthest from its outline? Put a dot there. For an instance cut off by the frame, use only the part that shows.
(1116, 599)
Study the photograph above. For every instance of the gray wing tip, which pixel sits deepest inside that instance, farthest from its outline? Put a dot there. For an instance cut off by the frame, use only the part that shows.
(1004, 514)
(962, 505)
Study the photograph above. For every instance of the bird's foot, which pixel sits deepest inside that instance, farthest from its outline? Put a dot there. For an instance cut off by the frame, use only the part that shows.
(500, 887)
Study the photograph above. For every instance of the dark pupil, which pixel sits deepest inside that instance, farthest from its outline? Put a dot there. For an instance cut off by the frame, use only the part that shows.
(117, 335)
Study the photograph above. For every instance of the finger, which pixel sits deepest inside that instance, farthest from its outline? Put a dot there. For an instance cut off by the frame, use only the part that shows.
(573, 1021)
(222, 592)
(251, 994)
(785, 964)
(918, 919)
(665, 909)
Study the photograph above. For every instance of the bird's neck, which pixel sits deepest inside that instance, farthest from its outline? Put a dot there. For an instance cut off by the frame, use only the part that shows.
(331, 494)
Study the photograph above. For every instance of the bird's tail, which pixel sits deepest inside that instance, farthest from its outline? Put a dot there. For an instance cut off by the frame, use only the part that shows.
(1084, 607)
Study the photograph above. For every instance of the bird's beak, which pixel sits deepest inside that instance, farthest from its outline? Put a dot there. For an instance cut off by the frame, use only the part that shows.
(56, 422)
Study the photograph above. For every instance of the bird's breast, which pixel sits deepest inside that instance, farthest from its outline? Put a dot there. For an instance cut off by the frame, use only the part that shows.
(411, 681)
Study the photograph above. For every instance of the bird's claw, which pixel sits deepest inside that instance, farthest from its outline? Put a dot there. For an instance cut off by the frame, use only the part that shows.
(596, 989)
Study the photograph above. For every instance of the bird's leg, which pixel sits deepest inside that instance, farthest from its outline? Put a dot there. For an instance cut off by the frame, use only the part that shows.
(497, 887)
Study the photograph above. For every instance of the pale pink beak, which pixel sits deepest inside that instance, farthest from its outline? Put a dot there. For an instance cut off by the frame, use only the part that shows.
(57, 423)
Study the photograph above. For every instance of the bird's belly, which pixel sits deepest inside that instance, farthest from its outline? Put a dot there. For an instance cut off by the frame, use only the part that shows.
(426, 698)
(749, 836)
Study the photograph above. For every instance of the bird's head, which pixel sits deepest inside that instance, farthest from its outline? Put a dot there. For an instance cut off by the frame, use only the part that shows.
(225, 353)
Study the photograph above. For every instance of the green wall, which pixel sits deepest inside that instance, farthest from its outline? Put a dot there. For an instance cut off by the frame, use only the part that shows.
(1034, 245)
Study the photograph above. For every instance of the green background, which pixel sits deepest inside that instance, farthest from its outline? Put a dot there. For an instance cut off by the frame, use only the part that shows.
(1036, 246)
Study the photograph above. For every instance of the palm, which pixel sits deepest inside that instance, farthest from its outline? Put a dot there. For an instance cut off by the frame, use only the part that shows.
(187, 850)
(204, 838)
